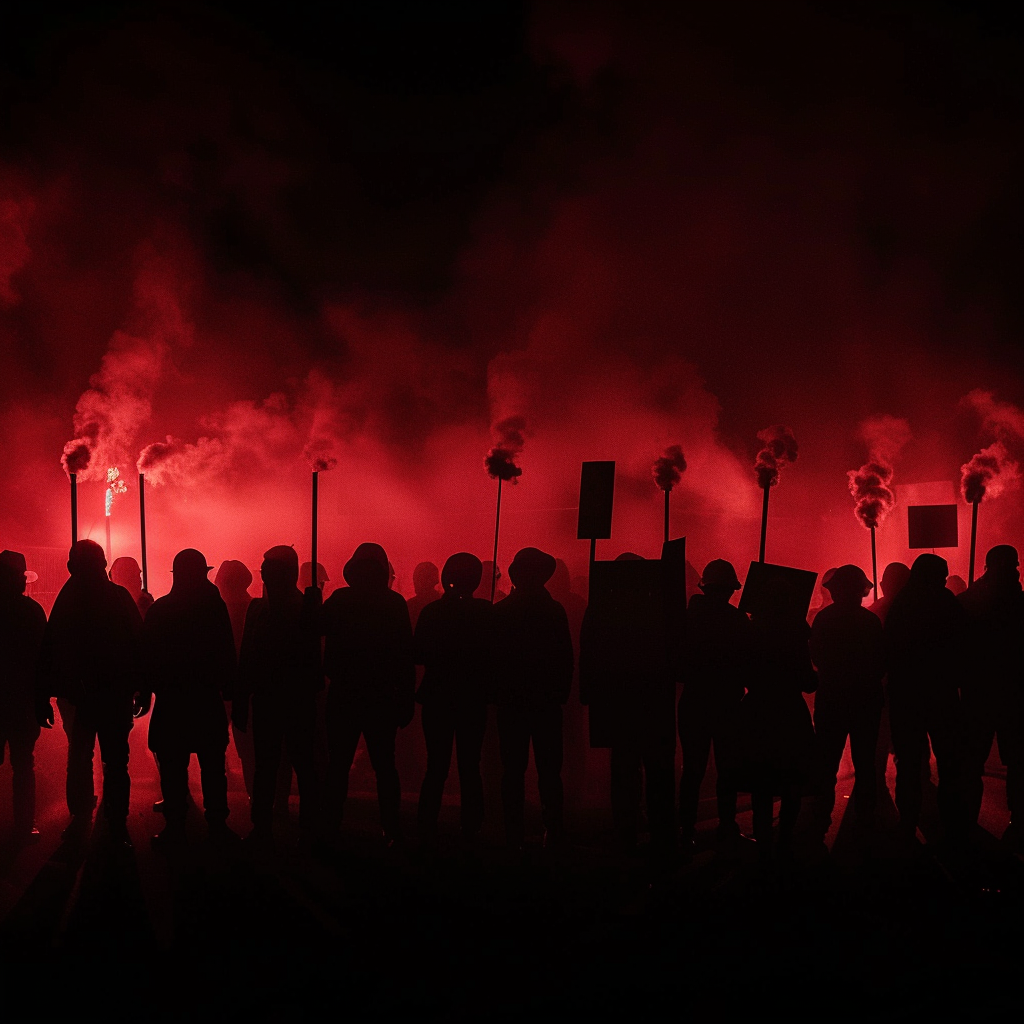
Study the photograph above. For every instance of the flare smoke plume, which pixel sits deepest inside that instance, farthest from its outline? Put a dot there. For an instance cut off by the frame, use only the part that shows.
(500, 460)
(987, 473)
(779, 450)
(873, 496)
(76, 456)
(669, 468)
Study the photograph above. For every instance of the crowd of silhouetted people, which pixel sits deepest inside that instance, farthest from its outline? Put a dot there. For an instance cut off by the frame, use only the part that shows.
(297, 680)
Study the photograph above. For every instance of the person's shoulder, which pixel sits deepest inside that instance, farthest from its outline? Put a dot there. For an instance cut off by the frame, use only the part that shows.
(31, 608)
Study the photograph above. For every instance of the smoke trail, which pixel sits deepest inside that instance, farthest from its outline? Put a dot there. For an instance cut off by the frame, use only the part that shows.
(987, 474)
(318, 452)
(76, 456)
(779, 450)
(500, 460)
(886, 436)
(669, 468)
(175, 462)
(873, 496)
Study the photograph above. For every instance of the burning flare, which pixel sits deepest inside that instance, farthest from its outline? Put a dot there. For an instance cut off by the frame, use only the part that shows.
(987, 473)
(668, 470)
(76, 456)
(500, 460)
(115, 485)
(872, 495)
(318, 454)
(779, 450)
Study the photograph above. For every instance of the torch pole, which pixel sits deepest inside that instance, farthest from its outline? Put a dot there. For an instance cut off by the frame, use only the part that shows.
(874, 564)
(974, 540)
(74, 508)
(494, 563)
(764, 526)
(142, 531)
(668, 491)
(314, 575)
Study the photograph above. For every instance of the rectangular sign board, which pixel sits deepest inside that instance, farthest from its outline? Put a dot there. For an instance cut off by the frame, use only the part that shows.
(597, 487)
(932, 526)
(767, 586)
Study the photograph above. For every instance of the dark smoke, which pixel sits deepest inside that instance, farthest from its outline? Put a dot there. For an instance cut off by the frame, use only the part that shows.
(669, 468)
(987, 473)
(870, 488)
(318, 454)
(76, 456)
(500, 460)
(779, 450)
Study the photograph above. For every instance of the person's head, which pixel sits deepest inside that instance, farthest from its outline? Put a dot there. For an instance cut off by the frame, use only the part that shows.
(125, 572)
(306, 575)
(13, 573)
(425, 579)
(190, 569)
(280, 569)
(86, 559)
(368, 568)
(233, 579)
(1002, 562)
(628, 556)
(531, 569)
(719, 580)
(929, 572)
(848, 585)
(956, 584)
(894, 578)
(823, 586)
(462, 574)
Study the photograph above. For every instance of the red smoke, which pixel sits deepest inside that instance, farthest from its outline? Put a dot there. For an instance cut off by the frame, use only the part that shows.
(76, 456)
(500, 460)
(987, 473)
(669, 468)
(870, 488)
(779, 450)
(319, 456)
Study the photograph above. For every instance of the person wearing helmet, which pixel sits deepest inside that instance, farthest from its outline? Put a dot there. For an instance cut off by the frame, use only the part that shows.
(453, 643)
(190, 651)
(532, 640)
(716, 655)
(992, 689)
(22, 624)
(92, 656)
(848, 648)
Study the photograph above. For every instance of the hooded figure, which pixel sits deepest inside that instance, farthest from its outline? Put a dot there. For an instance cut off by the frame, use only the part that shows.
(190, 652)
(368, 659)
(848, 648)
(92, 656)
(993, 685)
(279, 669)
(534, 654)
(22, 624)
(925, 638)
(454, 644)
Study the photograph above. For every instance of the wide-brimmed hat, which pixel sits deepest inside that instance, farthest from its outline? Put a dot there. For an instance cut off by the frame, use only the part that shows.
(531, 567)
(15, 562)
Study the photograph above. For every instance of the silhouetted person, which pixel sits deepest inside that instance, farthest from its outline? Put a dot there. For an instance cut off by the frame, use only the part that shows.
(825, 593)
(306, 576)
(22, 624)
(956, 584)
(127, 573)
(925, 633)
(484, 590)
(894, 579)
(533, 682)
(624, 665)
(776, 736)
(190, 652)
(453, 641)
(426, 582)
(91, 656)
(848, 648)
(368, 659)
(992, 689)
(716, 652)
(233, 580)
(279, 670)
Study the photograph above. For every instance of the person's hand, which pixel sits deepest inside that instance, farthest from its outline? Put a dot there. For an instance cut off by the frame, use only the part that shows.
(141, 704)
(44, 714)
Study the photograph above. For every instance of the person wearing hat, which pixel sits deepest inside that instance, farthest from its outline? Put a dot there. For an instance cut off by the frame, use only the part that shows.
(127, 573)
(533, 649)
(188, 646)
(22, 624)
(92, 656)
(368, 659)
(926, 634)
(992, 688)
(848, 648)
(279, 669)
(453, 643)
(716, 660)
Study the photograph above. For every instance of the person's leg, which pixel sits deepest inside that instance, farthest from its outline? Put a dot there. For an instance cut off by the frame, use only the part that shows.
(380, 731)
(659, 778)
(267, 737)
(726, 746)
(438, 734)
(695, 740)
(471, 724)
(112, 729)
(173, 764)
(831, 728)
(300, 739)
(22, 742)
(81, 731)
(979, 730)
(625, 765)
(762, 804)
(214, 778)
(863, 748)
(343, 732)
(944, 731)
(546, 732)
(910, 743)
(514, 743)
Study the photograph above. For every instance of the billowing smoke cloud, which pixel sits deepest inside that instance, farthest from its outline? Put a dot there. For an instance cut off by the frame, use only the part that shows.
(988, 473)
(886, 436)
(500, 460)
(779, 450)
(668, 469)
(76, 457)
(872, 494)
